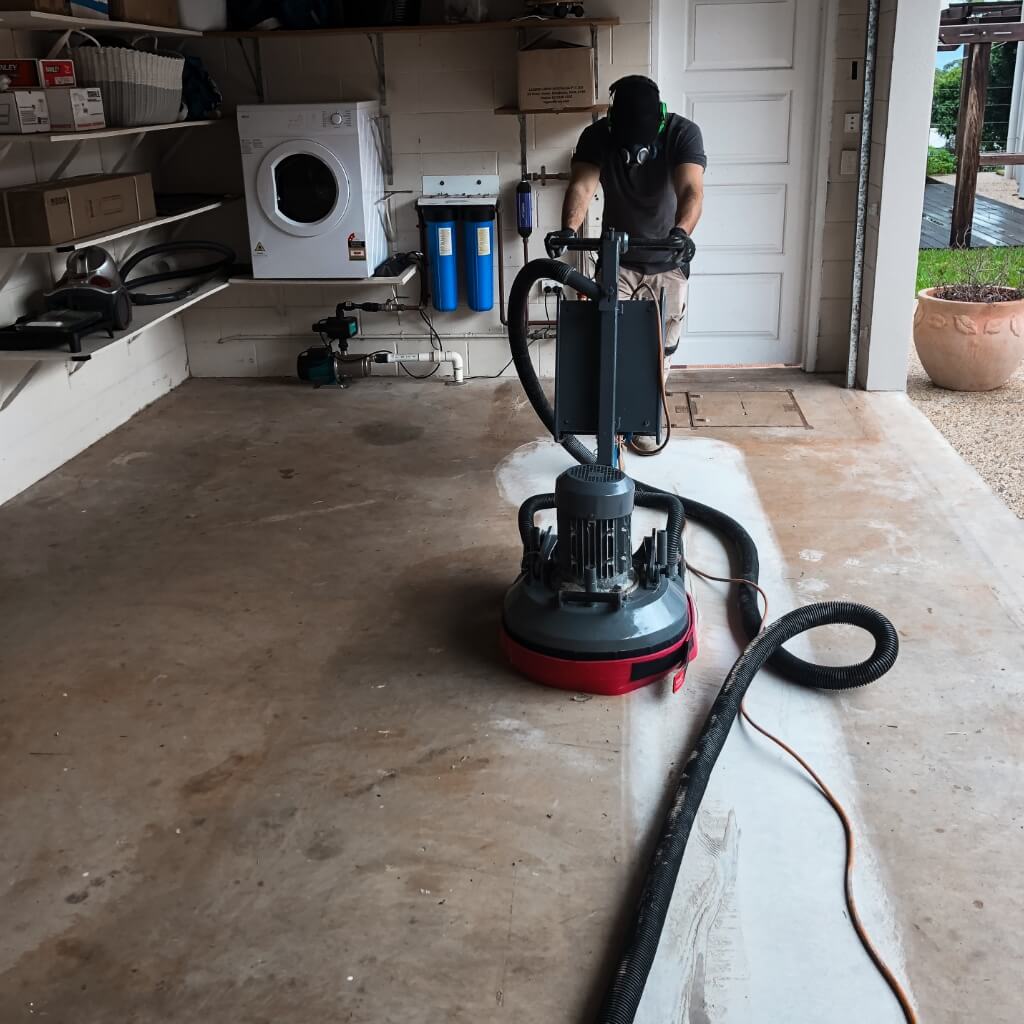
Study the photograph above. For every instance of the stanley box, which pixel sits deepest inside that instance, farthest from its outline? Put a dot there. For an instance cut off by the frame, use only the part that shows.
(56, 212)
(555, 76)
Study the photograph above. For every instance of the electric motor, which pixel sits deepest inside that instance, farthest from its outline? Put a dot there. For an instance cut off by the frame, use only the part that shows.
(594, 508)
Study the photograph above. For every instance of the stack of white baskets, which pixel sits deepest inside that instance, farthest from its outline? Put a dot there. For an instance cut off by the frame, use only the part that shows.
(138, 88)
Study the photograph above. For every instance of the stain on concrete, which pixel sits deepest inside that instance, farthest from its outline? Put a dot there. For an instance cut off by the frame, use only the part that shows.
(385, 433)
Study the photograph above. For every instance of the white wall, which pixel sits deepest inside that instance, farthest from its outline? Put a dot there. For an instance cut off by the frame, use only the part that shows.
(442, 91)
(57, 414)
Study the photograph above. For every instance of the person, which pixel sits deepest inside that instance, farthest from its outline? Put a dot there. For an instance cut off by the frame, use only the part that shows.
(650, 164)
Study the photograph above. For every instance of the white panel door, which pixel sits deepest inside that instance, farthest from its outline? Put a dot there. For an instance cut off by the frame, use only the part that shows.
(747, 72)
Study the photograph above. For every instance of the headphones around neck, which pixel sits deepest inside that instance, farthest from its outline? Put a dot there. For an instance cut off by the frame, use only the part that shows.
(637, 155)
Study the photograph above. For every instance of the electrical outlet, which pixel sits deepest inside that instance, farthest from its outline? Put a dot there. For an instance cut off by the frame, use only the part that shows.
(848, 163)
(851, 123)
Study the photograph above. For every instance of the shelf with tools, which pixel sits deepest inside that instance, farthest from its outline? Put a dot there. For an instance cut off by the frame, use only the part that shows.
(43, 21)
(145, 318)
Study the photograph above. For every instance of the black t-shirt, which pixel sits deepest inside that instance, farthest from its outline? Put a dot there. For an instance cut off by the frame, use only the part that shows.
(641, 199)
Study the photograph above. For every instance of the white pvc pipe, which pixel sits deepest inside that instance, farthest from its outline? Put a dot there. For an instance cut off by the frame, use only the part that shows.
(432, 357)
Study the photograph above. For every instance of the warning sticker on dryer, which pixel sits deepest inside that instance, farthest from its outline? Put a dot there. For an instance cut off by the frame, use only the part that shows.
(483, 241)
(260, 249)
(444, 241)
(356, 249)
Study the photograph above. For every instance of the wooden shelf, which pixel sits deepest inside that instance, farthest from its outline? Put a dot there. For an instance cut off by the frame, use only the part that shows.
(145, 318)
(113, 236)
(597, 108)
(472, 26)
(356, 282)
(107, 133)
(40, 21)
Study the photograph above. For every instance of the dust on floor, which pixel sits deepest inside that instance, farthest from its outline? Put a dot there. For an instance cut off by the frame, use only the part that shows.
(986, 428)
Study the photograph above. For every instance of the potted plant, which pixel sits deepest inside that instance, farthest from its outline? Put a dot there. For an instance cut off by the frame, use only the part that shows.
(969, 330)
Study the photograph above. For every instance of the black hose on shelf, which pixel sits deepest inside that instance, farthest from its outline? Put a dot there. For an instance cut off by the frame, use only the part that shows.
(199, 275)
(622, 997)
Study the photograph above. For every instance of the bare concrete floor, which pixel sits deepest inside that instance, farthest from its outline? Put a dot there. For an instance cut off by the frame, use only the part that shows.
(260, 762)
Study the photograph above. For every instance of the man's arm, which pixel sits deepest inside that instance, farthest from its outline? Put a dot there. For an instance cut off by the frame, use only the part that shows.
(583, 184)
(689, 185)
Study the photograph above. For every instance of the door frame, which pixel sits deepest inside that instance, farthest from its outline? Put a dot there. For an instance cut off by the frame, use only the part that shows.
(825, 77)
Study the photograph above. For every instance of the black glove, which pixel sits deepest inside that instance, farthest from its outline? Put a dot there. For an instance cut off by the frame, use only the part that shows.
(556, 242)
(687, 250)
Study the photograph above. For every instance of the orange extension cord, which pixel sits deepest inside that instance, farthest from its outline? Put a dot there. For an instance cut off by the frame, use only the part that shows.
(851, 904)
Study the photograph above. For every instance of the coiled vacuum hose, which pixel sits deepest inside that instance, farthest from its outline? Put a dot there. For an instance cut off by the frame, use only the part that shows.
(625, 990)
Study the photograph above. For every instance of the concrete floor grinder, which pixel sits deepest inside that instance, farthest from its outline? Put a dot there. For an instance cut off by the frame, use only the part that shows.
(589, 613)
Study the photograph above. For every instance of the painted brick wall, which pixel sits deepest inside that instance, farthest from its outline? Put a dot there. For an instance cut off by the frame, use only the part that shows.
(443, 90)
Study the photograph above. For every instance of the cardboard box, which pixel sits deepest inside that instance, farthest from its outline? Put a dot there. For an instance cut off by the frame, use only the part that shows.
(148, 12)
(19, 73)
(554, 75)
(45, 6)
(90, 9)
(55, 74)
(75, 110)
(52, 213)
(23, 112)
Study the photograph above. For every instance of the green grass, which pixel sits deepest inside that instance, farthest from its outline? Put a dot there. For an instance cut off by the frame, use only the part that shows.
(946, 266)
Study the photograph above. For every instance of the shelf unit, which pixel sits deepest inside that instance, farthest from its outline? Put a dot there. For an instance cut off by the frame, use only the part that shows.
(105, 133)
(356, 282)
(41, 21)
(113, 236)
(145, 318)
(374, 30)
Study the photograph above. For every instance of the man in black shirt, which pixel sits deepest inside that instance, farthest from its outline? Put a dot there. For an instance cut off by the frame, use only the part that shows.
(650, 164)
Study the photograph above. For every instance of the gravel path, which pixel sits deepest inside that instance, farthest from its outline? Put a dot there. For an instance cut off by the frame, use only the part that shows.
(986, 428)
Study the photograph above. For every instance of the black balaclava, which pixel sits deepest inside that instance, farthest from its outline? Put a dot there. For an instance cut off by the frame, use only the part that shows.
(636, 112)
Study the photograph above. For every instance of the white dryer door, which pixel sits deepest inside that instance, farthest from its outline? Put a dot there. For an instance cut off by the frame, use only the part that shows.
(303, 188)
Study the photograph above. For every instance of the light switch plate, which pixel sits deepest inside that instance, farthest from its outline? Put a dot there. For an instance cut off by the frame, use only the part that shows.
(851, 123)
(848, 162)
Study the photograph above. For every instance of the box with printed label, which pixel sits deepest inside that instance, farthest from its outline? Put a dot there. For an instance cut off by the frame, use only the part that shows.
(148, 12)
(55, 74)
(24, 112)
(556, 76)
(18, 73)
(90, 8)
(55, 212)
(75, 110)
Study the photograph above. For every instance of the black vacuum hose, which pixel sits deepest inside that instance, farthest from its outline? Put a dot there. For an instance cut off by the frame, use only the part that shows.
(623, 995)
(201, 275)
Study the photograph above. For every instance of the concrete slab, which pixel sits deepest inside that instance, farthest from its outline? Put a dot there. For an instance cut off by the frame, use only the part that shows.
(261, 762)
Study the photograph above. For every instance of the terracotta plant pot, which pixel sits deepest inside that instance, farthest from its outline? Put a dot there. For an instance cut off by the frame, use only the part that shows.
(969, 346)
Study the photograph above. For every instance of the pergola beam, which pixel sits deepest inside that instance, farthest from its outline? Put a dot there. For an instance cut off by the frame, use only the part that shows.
(973, 93)
(981, 32)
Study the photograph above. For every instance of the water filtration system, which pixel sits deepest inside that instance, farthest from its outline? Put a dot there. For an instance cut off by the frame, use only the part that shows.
(457, 219)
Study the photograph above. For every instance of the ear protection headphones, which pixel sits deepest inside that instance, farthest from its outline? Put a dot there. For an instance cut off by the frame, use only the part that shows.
(639, 154)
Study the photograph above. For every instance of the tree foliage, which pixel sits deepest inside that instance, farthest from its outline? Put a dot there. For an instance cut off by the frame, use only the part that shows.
(946, 99)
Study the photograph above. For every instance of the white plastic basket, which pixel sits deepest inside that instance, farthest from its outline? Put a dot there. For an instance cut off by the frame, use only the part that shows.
(138, 88)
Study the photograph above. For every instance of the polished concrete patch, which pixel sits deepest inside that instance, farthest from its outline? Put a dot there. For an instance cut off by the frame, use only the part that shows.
(261, 762)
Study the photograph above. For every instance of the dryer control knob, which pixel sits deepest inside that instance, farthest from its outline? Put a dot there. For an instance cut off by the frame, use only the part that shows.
(337, 120)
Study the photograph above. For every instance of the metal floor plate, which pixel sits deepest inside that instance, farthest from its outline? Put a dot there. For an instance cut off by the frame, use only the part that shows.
(736, 409)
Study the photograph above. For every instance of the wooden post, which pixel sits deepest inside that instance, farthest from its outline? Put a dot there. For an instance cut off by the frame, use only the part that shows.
(973, 93)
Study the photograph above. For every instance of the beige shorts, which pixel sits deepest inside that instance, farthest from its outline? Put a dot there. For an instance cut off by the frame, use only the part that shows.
(633, 284)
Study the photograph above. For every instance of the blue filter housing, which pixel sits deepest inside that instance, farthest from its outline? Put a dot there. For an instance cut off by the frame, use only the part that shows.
(478, 252)
(442, 254)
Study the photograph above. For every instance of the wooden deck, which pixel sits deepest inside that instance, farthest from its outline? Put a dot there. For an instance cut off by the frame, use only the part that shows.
(995, 223)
